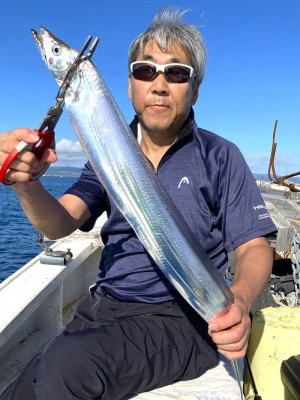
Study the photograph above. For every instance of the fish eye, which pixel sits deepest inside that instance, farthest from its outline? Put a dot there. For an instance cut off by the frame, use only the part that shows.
(56, 49)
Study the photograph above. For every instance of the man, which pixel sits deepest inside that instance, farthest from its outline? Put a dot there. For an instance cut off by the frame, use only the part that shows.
(134, 332)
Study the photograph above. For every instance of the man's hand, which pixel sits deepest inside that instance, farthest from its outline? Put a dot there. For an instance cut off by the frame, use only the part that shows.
(231, 331)
(54, 218)
(26, 163)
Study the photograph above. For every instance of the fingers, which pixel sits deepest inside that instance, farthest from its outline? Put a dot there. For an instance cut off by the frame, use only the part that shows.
(232, 343)
(21, 169)
(16, 176)
(231, 332)
(234, 355)
(49, 156)
(231, 318)
(9, 140)
(25, 162)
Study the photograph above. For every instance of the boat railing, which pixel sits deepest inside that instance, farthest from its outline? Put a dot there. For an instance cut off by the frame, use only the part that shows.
(39, 299)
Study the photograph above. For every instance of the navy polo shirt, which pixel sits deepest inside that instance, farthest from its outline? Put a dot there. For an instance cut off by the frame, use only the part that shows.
(209, 181)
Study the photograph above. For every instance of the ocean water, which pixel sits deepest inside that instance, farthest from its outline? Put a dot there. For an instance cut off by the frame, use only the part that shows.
(17, 236)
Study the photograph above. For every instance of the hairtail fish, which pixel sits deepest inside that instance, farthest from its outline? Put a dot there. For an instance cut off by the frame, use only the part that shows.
(130, 181)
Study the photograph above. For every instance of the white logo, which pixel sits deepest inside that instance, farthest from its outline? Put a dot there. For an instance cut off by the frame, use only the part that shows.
(260, 206)
(183, 180)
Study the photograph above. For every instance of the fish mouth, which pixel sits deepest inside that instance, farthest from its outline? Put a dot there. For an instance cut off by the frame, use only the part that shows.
(38, 37)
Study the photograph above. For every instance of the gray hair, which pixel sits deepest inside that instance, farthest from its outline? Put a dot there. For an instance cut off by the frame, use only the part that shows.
(168, 29)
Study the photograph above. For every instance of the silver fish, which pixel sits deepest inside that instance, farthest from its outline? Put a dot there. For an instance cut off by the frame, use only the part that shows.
(130, 181)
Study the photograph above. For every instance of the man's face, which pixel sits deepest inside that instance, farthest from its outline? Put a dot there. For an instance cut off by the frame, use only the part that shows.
(161, 106)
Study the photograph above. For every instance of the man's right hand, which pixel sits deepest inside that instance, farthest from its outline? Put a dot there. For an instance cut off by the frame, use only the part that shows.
(26, 163)
(54, 218)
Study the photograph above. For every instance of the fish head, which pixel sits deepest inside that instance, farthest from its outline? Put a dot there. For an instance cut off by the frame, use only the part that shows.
(57, 55)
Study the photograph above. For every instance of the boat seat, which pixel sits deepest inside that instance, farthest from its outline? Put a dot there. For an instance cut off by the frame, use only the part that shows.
(218, 383)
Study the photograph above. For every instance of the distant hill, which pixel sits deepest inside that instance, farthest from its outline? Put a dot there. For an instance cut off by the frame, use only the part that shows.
(75, 172)
(63, 171)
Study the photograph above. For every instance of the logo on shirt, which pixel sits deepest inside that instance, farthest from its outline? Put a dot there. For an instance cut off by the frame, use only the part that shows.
(184, 180)
(264, 212)
(260, 206)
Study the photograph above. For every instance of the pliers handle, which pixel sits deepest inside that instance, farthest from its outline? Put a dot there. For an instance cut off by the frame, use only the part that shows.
(47, 141)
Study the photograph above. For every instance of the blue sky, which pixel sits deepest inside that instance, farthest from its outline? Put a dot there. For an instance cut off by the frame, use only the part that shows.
(252, 76)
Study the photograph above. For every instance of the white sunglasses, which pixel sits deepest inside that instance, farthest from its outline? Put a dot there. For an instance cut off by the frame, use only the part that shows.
(174, 73)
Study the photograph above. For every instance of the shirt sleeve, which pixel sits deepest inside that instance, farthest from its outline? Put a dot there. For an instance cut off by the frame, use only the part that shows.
(243, 210)
(89, 189)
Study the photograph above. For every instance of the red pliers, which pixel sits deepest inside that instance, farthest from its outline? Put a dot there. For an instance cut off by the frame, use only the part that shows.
(46, 130)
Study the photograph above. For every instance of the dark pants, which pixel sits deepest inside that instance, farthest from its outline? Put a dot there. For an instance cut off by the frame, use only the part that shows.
(112, 348)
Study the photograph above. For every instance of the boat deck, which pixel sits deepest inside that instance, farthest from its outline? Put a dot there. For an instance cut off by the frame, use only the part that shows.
(42, 299)
(287, 204)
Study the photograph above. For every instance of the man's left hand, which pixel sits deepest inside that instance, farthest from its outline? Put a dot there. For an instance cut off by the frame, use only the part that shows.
(231, 331)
